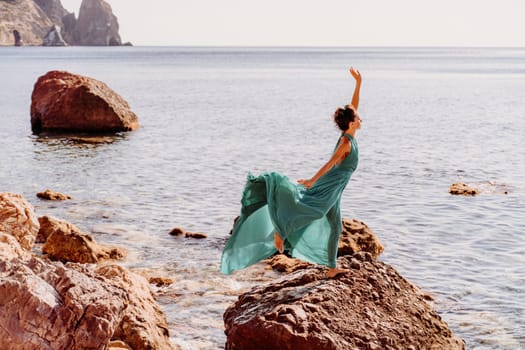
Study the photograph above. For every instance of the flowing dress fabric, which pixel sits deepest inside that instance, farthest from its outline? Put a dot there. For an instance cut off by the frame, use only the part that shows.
(308, 220)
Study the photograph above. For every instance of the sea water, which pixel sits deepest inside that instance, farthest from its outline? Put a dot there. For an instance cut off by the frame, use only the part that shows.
(431, 117)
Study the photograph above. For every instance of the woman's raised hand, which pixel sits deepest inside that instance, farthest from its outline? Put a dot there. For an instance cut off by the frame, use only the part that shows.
(355, 73)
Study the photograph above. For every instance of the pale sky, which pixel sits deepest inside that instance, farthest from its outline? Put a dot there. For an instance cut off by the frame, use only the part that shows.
(319, 23)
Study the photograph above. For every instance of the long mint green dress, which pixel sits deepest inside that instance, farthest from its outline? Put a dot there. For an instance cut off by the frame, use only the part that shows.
(308, 220)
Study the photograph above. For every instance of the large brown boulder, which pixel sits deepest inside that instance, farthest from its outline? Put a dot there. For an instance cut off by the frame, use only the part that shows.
(64, 241)
(370, 307)
(18, 219)
(52, 306)
(63, 101)
(96, 25)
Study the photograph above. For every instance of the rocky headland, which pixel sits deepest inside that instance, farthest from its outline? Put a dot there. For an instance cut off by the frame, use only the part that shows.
(48, 23)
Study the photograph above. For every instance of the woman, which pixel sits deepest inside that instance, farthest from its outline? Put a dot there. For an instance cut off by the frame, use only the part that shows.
(304, 218)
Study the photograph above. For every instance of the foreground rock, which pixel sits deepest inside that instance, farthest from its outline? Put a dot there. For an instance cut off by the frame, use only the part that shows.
(17, 218)
(65, 242)
(66, 102)
(371, 307)
(143, 325)
(74, 306)
(460, 188)
(355, 237)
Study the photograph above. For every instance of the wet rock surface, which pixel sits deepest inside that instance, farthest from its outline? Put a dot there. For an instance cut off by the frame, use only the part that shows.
(67, 102)
(370, 307)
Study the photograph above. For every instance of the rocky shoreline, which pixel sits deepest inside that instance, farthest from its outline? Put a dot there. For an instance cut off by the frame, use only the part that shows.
(48, 302)
(73, 295)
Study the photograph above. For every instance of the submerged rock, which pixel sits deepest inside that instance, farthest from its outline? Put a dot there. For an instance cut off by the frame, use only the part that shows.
(62, 101)
(460, 188)
(64, 241)
(52, 195)
(370, 307)
(18, 219)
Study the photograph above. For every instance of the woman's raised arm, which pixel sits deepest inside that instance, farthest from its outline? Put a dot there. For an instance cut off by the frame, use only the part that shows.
(355, 97)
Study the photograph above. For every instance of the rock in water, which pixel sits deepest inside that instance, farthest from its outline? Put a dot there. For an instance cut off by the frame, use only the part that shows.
(18, 219)
(62, 101)
(460, 188)
(54, 38)
(64, 241)
(357, 237)
(52, 195)
(96, 25)
(370, 307)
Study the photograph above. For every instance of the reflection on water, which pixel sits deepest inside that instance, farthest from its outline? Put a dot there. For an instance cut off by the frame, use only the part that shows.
(71, 143)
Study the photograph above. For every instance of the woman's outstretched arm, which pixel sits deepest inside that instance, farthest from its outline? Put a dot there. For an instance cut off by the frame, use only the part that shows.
(355, 97)
(343, 150)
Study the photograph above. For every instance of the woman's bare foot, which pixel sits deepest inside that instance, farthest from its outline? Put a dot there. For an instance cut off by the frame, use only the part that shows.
(278, 242)
(335, 271)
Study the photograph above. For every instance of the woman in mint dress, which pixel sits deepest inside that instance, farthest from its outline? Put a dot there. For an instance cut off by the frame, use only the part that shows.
(303, 218)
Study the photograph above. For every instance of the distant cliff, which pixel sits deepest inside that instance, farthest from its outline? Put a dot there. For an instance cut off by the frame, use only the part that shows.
(46, 22)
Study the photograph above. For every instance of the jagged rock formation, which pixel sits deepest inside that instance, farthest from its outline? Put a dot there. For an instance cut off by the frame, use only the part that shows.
(62, 101)
(33, 20)
(54, 38)
(96, 25)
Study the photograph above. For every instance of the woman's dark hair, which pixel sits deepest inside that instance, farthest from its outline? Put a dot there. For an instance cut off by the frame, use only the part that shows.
(344, 116)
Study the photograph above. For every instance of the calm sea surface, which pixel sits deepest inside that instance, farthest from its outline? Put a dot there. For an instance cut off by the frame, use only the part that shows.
(431, 117)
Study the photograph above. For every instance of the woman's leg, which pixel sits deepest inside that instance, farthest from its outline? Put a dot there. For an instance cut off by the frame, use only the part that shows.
(278, 242)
